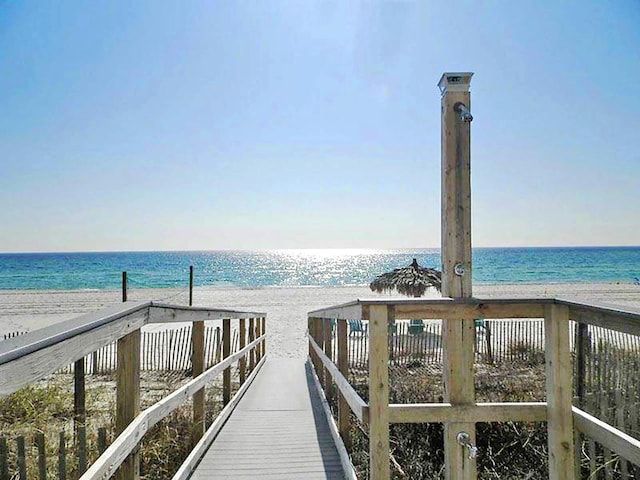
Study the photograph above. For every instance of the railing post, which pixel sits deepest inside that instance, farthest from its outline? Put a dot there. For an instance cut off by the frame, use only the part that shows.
(226, 351)
(379, 320)
(559, 395)
(582, 338)
(128, 397)
(197, 365)
(252, 337)
(259, 345)
(243, 343)
(264, 331)
(309, 326)
(125, 286)
(344, 411)
(319, 334)
(458, 335)
(313, 328)
(128, 391)
(79, 405)
(190, 285)
(328, 347)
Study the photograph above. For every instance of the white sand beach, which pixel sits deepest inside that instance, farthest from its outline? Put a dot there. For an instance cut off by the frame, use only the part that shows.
(286, 307)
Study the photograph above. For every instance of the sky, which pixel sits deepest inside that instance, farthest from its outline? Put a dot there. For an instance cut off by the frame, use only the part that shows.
(205, 125)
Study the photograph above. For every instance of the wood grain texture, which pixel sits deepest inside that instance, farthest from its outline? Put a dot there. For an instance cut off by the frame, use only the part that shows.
(278, 430)
(559, 393)
(618, 318)
(165, 313)
(187, 467)
(31, 367)
(456, 197)
(347, 311)
(263, 348)
(124, 444)
(30, 357)
(423, 309)
(458, 333)
(197, 364)
(379, 454)
(480, 412)
(343, 367)
(128, 397)
(355, 402)
(328, 349)
(242, 363)
(252, 337)
(607, 435)
(226, 351)
(345, 460)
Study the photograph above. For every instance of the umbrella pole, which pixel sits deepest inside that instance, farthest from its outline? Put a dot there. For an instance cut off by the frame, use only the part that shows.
(458, 335)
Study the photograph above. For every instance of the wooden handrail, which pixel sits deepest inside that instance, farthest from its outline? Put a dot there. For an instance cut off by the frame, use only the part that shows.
(127, 441)
(356, 403)
(30, 357)
(610, 437)
(620, 318)
(39, 339)
(166, 313)
(420, 309)
(556, 411)
(479, 412)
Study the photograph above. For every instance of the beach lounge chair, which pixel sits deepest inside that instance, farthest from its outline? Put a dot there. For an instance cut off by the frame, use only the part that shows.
(416, 327)
(393, 328)
(357, 326)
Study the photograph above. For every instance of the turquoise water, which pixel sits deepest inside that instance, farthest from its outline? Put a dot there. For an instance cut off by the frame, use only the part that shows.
(74, 271)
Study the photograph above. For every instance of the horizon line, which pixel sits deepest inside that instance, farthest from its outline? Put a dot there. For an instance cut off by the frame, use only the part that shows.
(364, 249)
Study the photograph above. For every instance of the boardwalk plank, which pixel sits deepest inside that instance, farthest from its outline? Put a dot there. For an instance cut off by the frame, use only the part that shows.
(278, 430)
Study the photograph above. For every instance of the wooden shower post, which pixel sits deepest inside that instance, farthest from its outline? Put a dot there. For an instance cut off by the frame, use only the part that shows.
(458, 334)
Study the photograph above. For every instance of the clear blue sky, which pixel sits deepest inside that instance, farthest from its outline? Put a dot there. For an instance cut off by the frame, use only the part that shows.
(155, 125)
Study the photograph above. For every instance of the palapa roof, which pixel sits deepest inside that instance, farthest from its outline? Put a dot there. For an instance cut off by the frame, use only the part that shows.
(412, 280)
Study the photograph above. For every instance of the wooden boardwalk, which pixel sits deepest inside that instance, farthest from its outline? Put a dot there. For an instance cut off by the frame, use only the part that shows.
(277, 431)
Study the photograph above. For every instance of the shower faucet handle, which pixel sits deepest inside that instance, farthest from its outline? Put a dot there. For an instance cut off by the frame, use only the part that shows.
(464, 440)
(465, 114)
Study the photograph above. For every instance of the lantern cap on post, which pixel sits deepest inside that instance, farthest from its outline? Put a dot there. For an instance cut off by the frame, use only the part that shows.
(455, 82)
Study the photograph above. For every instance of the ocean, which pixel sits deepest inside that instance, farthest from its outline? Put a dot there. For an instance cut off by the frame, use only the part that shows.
(246, 269)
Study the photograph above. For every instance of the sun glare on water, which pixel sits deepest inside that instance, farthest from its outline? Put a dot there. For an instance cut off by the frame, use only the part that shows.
(325, 253)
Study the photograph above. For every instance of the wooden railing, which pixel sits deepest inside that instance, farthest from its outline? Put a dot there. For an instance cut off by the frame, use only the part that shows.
(31, 357)
(561, 417)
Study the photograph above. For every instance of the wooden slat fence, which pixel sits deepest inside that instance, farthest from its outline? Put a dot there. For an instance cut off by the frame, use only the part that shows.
(21, 460)
(165, 350)
(496, 341)
(7, 336)
(611, 392)
(610, 383)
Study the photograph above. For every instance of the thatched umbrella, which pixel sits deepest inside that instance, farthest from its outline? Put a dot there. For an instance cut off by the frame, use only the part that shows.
(412, 281)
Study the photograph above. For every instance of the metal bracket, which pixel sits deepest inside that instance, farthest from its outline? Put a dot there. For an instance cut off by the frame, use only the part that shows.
(465, 114)
(464, 440)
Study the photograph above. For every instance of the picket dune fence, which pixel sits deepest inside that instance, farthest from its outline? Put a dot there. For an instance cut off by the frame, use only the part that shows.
(165, 350)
